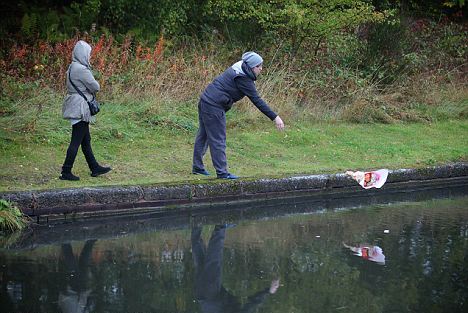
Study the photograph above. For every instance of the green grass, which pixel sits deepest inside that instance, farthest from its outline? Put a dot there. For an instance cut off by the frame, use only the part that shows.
(11, 219)
(149, 139)
(147, 142)
(337, 116)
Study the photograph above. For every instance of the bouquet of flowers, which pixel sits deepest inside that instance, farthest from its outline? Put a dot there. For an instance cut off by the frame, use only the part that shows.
(371, 179)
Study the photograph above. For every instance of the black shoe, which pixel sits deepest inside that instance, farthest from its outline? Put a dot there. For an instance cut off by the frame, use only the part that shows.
(100, 170)
(69, 176)
(200, 172)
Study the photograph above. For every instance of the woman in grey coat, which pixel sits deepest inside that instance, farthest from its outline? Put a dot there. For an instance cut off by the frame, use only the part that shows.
(76, 110)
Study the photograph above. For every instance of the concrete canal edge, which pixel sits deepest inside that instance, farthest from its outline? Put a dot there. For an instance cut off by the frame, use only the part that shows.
(108, 201)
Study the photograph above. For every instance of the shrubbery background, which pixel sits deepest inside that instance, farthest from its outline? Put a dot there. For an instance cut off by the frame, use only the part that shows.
(361, 61)
(329, 65)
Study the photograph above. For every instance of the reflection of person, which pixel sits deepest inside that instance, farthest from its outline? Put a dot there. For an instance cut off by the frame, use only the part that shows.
(218, 97)
(75, 299)
(373, 179)
(76, 110)
(208, 262)
(7, 299)
(368, 252)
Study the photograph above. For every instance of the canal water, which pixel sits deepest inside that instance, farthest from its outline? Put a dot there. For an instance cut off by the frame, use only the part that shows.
(400, 257)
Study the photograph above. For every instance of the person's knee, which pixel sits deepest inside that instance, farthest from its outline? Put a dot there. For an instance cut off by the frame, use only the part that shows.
(72, 148)
(219, 147)
(86, 142)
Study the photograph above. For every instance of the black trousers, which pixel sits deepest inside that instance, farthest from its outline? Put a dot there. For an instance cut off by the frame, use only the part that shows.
(79, 267)
(80, 136)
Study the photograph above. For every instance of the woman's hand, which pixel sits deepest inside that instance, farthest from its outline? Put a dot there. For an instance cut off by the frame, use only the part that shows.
(279, 123)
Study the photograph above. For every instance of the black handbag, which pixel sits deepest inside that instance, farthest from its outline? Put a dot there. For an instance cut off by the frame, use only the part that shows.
(93, 104)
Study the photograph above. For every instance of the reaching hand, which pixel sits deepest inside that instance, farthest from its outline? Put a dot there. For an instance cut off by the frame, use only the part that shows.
(279, 123)
(274, 286)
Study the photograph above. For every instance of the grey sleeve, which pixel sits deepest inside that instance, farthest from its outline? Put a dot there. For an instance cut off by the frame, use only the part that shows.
(89, 81)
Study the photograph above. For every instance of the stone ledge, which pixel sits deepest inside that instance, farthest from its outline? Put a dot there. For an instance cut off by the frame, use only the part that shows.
(37, 203)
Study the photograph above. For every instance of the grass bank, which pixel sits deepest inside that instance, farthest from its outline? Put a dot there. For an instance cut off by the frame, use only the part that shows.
(146, 147)
(346, 107)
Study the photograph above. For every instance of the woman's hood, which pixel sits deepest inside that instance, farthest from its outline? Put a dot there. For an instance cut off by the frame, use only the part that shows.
(82, 53)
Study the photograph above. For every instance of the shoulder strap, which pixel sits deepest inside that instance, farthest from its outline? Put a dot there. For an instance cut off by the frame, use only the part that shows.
(74, 86)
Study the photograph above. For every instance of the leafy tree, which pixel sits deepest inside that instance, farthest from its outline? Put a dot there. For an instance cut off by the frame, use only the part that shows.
(427, 8)
(297, 21)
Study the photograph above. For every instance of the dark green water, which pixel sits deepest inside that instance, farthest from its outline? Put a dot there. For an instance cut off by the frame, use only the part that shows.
(425, 266)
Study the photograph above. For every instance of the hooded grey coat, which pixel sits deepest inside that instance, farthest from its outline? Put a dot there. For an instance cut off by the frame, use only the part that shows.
(74, 106)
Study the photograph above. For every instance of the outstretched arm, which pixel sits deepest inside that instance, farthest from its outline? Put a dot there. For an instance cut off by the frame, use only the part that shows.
(257, 299)
(247, 86)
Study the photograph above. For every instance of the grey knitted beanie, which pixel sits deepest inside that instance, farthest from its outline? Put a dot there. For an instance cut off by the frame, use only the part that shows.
(252, 59)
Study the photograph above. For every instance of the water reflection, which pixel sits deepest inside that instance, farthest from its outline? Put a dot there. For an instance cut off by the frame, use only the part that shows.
(156, 271)
(368, 252)
(75, 298)
(209, 290)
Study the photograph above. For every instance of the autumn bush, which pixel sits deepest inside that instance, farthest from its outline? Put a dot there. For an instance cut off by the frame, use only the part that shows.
(349, 76)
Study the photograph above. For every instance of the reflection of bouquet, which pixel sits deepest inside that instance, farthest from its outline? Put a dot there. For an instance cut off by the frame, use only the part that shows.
(371, 179)
(368, 252)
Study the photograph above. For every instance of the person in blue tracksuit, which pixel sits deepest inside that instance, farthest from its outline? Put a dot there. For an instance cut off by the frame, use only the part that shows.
(217, 98)
(210, 293)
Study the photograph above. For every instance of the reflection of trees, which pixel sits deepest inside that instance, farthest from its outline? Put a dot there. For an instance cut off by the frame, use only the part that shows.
(432, 263)
(140, 284)
(427, 257)
(22, 280)
(122, 281)
(316, 278)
